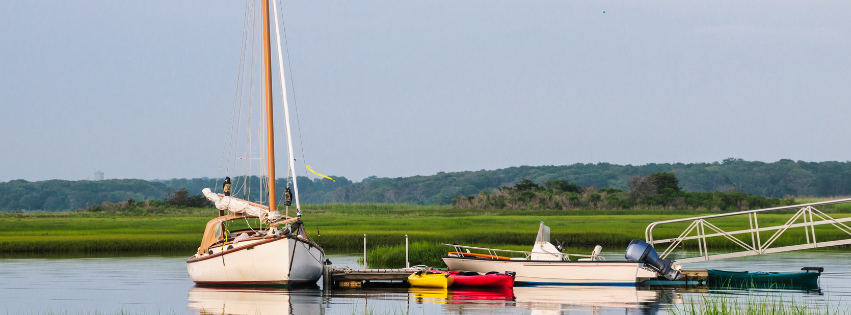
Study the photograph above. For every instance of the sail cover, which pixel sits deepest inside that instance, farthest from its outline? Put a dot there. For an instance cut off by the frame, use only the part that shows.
(236, 205)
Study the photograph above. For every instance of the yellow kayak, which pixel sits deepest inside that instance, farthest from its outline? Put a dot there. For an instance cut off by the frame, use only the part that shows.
(430, 280)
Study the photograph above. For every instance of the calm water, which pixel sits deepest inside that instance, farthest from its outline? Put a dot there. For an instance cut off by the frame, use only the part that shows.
(161, 285)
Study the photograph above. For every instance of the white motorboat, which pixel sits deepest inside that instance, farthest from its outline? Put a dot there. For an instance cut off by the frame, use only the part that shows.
(546, 264)
(278, 251)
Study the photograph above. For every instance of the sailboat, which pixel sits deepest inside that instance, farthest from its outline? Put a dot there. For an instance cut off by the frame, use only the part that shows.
(278, 253)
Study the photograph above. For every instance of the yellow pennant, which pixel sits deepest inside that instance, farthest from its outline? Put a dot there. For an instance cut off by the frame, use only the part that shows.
(314, 172)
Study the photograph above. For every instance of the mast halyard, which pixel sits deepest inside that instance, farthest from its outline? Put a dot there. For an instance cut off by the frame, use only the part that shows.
(286, 108)
(270, 132)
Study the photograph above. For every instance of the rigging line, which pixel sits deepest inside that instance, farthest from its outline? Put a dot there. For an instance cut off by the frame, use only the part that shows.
(289, 169)
(250, 88)
(232, 143)
(264, 187)
(259, 147)
(229, 131)
(295, 103)
(248, 150)
(249, 225)
(250, 27)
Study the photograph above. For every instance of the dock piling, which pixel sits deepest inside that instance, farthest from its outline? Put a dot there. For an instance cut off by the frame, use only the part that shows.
(407, 261)
(364, 252)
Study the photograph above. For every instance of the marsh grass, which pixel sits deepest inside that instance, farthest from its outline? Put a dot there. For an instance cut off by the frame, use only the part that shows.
(342, 226)
(425, 253)
(752, 305)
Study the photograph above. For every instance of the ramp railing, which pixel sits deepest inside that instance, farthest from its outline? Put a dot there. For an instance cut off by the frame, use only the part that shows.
(698, 226)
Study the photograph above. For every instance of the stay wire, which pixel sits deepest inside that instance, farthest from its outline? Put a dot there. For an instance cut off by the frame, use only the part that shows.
(295, 104)
(250, 89)
(229, 132)
(235, 188)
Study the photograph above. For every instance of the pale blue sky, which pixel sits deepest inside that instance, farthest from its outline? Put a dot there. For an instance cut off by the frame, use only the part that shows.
(143, 89)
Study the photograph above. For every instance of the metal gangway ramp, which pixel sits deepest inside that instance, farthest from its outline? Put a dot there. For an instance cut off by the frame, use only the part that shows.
(806, 217)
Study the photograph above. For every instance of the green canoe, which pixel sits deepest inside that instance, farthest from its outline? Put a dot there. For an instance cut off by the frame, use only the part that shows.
(778, 280)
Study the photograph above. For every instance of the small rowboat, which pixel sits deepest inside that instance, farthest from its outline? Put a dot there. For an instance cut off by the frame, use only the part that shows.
(473, 279)
(430, 280)
(737, 279)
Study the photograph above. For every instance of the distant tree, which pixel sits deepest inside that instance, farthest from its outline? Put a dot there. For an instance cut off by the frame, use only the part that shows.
(564, 186)
(198, 201)
(664, 180)
(526, 185)
(181, 197)
(640, 186)
(178, 197)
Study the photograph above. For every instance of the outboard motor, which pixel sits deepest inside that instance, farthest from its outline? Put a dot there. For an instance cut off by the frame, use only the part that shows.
(640, 251)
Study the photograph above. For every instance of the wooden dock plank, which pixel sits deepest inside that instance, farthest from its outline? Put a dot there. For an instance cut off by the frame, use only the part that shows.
(348, 275)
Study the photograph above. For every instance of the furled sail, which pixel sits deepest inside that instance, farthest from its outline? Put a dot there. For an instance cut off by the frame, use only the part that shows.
(239, 206)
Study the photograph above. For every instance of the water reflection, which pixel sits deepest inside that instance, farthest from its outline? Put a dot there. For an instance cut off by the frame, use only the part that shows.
(537, 299)
(498, 297)
(151, 285)
(267, 301)
(599, 296)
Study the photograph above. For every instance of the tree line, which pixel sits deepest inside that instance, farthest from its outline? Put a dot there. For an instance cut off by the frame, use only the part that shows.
(63, 195)
(775, 180)
(655, 191)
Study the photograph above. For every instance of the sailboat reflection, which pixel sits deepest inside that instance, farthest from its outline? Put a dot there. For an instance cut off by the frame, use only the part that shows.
(239, 301)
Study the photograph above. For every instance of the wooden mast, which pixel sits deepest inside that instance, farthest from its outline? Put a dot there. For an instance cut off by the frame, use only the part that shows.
(270, 134)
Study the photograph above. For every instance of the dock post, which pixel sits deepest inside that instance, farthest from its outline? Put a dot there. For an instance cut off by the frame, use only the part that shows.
(364, 251)
(407, 261)
(326, 277)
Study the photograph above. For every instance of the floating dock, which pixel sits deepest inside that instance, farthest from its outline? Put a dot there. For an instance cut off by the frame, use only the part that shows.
(691, 278)
(356, 278)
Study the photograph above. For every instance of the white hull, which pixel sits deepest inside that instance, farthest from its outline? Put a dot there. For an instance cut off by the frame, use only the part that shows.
(260, 262)
(557, 272)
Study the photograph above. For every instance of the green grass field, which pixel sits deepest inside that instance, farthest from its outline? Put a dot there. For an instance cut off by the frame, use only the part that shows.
(341, 228)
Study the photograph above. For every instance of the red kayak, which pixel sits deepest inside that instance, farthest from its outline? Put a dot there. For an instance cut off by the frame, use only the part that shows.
(472, 279)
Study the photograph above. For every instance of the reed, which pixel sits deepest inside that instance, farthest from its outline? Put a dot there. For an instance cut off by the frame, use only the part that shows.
(428, 254)
(718, 304)
(342, 226)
